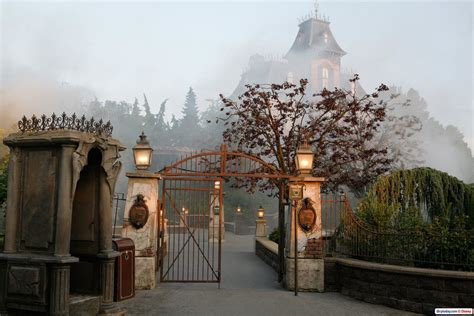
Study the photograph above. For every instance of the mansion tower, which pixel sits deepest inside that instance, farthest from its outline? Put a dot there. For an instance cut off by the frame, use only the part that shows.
(315, 55)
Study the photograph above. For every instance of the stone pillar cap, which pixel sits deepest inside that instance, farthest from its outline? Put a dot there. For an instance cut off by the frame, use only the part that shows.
(307, 179)
(143, 174)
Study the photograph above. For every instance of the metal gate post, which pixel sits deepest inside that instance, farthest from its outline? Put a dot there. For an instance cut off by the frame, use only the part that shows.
(281, 227)
(296, 248)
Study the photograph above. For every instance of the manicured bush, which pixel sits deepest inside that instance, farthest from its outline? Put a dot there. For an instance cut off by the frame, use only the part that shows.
(275, 235)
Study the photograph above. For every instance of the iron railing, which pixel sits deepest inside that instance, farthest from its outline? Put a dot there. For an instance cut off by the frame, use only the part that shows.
(453, 250)
(332, 208)
(118, 207)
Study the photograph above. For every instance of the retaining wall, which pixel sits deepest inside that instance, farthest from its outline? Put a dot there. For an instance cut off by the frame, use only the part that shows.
(267, 250)
(406, 288)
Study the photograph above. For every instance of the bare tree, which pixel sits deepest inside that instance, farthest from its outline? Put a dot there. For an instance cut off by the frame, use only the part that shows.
(271, 120)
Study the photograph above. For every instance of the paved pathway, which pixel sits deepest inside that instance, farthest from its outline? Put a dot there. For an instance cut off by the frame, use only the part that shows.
(249, 287)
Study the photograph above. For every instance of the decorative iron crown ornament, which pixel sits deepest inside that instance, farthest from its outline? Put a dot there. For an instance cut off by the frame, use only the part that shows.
(64, 122)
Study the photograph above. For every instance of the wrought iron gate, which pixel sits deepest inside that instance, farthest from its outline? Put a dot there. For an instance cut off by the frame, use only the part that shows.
(191, 229)
(191, 226)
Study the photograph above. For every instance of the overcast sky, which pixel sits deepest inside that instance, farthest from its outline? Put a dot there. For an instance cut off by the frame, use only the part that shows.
(120, 50)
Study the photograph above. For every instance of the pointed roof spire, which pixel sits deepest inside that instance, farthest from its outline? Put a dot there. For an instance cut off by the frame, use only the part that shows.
(315, 33)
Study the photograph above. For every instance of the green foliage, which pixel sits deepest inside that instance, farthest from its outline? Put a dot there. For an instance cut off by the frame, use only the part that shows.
(275, 235)
(3, 194)
(188, 133)
(190, 109)
(3, 179)
(408, 194)
(450, 241)
(385, 217)
(397, 231)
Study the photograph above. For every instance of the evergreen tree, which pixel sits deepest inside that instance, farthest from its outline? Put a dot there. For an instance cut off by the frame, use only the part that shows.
(173, 131)
(190, 110)
(414, 138)
(150, 119)
(189, 135)
(174, 123)
(212, 133)
(161, 124)
(135, 109)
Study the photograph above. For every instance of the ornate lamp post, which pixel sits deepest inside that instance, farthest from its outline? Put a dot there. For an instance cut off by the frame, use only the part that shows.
(305, 231)
(142, 153)
(304, 159)
(216, 213)
(144, 183)
(241, 226)
(183, 216)
(261, 223)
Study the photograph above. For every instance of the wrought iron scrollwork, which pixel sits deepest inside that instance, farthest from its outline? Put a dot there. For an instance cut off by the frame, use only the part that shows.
(65, 122)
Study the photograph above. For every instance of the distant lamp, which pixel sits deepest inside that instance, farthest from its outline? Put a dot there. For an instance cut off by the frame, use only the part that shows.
(142, 153)
(260, 212)
(238, 210)
(217, 185)
(304, 159)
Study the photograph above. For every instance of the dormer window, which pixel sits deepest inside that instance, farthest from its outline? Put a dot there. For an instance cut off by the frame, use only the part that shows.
(326, 37)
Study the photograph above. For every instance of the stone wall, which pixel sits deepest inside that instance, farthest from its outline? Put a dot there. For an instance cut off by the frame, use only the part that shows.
(330, 275)
(412, 289)
(267, 250)
(405, 288)
(229, 227)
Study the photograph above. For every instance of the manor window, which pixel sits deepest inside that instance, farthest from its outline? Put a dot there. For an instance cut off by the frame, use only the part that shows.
(325, 77)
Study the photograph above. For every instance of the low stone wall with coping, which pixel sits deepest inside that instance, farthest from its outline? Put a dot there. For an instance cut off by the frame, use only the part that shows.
(229, 227)
(412, 289)
(267, 250)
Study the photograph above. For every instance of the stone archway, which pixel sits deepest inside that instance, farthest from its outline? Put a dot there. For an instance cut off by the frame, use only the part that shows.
(53, 163)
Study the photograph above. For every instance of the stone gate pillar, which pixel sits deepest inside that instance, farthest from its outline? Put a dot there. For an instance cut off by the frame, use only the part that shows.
(309, 249)
(216, 199)
(143, 231)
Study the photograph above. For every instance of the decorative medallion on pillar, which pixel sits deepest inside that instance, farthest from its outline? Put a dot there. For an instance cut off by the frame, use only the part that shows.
(307, 216)
(139, 212)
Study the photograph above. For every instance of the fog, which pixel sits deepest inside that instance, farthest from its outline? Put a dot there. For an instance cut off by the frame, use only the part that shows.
(56, 56)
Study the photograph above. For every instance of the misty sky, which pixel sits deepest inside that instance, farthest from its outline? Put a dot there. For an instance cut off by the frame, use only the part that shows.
(119, 50)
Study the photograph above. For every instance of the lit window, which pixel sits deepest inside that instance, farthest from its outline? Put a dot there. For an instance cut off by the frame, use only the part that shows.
(325, 78)
(326, 37)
